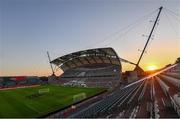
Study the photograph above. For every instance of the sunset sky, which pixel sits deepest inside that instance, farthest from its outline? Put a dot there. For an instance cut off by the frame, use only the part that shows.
(29, 28)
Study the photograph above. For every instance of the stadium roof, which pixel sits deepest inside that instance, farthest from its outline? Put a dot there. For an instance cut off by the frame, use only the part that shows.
(87, 57)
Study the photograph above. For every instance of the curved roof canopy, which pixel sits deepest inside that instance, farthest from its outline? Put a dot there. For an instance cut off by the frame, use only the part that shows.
(87, 57)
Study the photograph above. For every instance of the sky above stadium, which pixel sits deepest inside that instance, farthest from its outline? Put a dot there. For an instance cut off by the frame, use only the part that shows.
(29, 28)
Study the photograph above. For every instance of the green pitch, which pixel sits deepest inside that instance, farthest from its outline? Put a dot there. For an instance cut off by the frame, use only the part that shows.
(17, 102)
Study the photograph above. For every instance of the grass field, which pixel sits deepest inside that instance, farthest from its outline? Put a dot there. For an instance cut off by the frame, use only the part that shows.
(16, 102)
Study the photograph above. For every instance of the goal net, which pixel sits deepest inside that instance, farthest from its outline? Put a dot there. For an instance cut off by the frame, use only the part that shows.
(44, 90)
(79, 97)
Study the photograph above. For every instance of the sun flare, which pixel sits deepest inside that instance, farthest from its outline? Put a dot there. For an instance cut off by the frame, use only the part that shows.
(152, 68)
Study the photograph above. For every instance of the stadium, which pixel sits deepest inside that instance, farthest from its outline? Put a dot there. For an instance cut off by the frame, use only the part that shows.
(93, 85)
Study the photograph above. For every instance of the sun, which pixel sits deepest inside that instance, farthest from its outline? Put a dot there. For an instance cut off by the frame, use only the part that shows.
(151, 67)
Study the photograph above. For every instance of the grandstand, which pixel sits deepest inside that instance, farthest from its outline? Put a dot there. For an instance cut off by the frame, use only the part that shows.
(99, 67)
(15, 81)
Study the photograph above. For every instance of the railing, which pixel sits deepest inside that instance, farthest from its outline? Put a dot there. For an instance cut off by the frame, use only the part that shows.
(172, 80)
(164, 87)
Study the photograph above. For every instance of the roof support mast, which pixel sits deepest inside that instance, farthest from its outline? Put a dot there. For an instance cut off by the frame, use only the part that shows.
(149, 37)
(50, 63)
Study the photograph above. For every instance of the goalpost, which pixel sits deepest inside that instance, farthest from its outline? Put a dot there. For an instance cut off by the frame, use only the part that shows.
(43, 90)
(79, 97)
